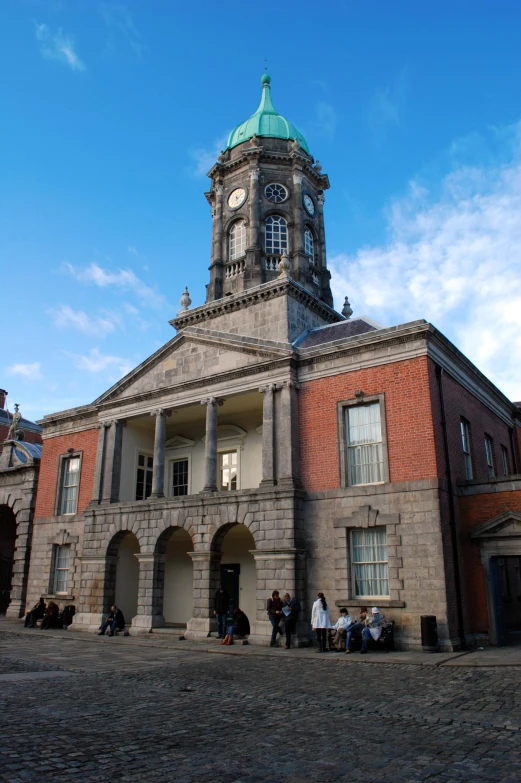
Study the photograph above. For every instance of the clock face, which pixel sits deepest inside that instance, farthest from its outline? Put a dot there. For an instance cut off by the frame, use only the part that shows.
(236, 198)
(309, 204)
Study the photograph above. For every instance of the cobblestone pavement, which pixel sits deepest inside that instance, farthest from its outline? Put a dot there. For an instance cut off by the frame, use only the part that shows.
(102, 709)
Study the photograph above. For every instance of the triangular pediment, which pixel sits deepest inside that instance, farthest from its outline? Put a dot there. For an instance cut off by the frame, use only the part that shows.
(506, 525)
(195, 354)
(179, 442)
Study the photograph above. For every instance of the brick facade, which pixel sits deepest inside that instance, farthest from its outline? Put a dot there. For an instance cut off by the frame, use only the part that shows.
(85, 442)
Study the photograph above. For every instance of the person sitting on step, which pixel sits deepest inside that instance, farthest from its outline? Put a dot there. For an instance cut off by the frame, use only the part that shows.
(240, 627)
(373, 628)
(340, 630)
(50, 619)
(115, 621)
(36, 613)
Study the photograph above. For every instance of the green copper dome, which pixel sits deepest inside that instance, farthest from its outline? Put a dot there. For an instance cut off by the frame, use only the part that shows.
(266, 122)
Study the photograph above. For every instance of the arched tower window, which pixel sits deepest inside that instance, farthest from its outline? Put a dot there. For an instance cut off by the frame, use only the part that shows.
(237, 240)
(276, 235)
(309, 247)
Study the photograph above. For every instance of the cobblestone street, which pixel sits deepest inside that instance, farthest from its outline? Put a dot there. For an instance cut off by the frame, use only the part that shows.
(89, 709)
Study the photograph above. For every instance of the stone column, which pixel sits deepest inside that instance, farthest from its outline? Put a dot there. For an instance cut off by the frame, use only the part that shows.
(280, 569)
(96, 571)
(210, 483)
(150, 593)
(205, 580)
(112, 462)
(22, 553)
(97, 491)
(268, 435)
(158, 471)
(288, 468)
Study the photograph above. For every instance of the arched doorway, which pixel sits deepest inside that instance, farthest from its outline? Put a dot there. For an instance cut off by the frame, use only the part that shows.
(177, 576)
(7, 547)
(122, 577)
(237, 567)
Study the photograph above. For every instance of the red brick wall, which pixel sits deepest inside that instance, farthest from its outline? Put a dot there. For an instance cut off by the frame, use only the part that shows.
(53, 448)
(410, 434)
(475, 509)
(461, 403)
(29, 436)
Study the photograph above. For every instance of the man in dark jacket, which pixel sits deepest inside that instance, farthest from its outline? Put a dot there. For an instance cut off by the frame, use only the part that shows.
(35, 614)
(222, 604)
(115, 621)
(274, 607)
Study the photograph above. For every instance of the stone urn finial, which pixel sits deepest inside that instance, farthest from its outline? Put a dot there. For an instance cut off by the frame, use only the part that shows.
(221, 157)
(185, 300)
(318, 167)
(347, 310)
(284, 265)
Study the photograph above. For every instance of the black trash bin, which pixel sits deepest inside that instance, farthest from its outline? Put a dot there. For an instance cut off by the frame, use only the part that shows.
(429, 633)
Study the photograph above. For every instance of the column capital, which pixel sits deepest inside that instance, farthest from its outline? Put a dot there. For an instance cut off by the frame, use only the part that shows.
(297, 178)
(254, 174)
(212, 401)
(291, 384)
(205, 557)
(270, 387)
(161, 412)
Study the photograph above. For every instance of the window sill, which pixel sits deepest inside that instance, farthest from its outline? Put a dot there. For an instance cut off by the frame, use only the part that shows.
(60, 596)
(385, 603)
(369, 484)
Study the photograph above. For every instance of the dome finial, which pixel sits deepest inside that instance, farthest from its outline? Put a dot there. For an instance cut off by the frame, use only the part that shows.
(265, 78)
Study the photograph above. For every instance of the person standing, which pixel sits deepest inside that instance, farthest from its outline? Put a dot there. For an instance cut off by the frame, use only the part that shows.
(320, 621)
(290, 610)
(222, 604)
(274, 607)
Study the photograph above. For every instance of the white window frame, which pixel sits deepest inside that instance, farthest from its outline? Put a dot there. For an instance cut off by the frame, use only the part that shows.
(504, 460)
(489, 456)
(309, 245)
(465, 447)
(358, 448)
(58, 569)
(354, 533)
(62, 502)
(220, 454)
(179, 458)
(237, 240)
(276, 197)
(145, 453)
(278, 241)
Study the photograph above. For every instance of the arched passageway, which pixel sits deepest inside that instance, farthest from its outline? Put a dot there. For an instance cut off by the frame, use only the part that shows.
(174, 577)
(237, 567)
(7, 547)
(122, 574)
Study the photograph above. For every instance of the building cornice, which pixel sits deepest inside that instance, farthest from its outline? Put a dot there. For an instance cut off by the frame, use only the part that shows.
(284, 286)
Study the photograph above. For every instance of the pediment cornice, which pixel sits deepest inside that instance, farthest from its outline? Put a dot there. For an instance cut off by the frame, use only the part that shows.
(505, 525)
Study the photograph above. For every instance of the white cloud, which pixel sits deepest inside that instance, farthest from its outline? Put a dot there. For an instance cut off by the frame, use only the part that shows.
(453, 258)
(119, 18)
(31, 372)
(58, 46)
(96, 362)
(326, 117)
(124, 279)
(65, 317)
(204, 159)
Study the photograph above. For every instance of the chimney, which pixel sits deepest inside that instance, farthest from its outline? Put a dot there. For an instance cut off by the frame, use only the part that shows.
(3, 395)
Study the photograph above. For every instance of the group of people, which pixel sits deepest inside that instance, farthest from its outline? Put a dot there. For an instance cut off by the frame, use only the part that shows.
(49, 614)
(345, 629)
(338, 636)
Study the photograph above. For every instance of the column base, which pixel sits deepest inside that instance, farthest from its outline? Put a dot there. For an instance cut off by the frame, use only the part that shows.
(16, 609)
(86, 621)
(199, 628)
(143, 623)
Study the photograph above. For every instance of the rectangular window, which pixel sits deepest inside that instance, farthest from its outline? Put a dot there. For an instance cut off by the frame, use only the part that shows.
(179, 477)
(228, 470)
(504, 460)
(489, 456)
(145, 467)
(364, 444)
(61, 569)
(70, 484)
(465, 445)
(370, 570)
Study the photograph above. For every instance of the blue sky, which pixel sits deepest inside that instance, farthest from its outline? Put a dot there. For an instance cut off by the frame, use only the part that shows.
(113, 112)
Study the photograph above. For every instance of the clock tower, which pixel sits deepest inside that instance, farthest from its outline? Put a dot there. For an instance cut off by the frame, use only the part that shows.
(267, 200)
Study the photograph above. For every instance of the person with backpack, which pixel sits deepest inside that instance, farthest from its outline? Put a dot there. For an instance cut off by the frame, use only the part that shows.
(320, 621)
(274, 609)
(290, 610)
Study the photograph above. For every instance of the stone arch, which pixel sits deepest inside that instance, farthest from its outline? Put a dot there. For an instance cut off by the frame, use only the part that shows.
(7, 551)
(20, 503)
(173, 576)
(234, 542)
(121, 582)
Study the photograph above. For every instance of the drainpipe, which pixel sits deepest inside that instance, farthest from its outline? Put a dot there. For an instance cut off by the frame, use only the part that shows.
(452, 512)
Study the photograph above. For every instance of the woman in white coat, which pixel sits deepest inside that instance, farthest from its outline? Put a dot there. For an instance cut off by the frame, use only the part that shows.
(320, 621)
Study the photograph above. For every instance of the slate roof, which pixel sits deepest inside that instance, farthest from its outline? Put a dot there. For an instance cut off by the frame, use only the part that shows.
(339, 331)
(6, 419)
